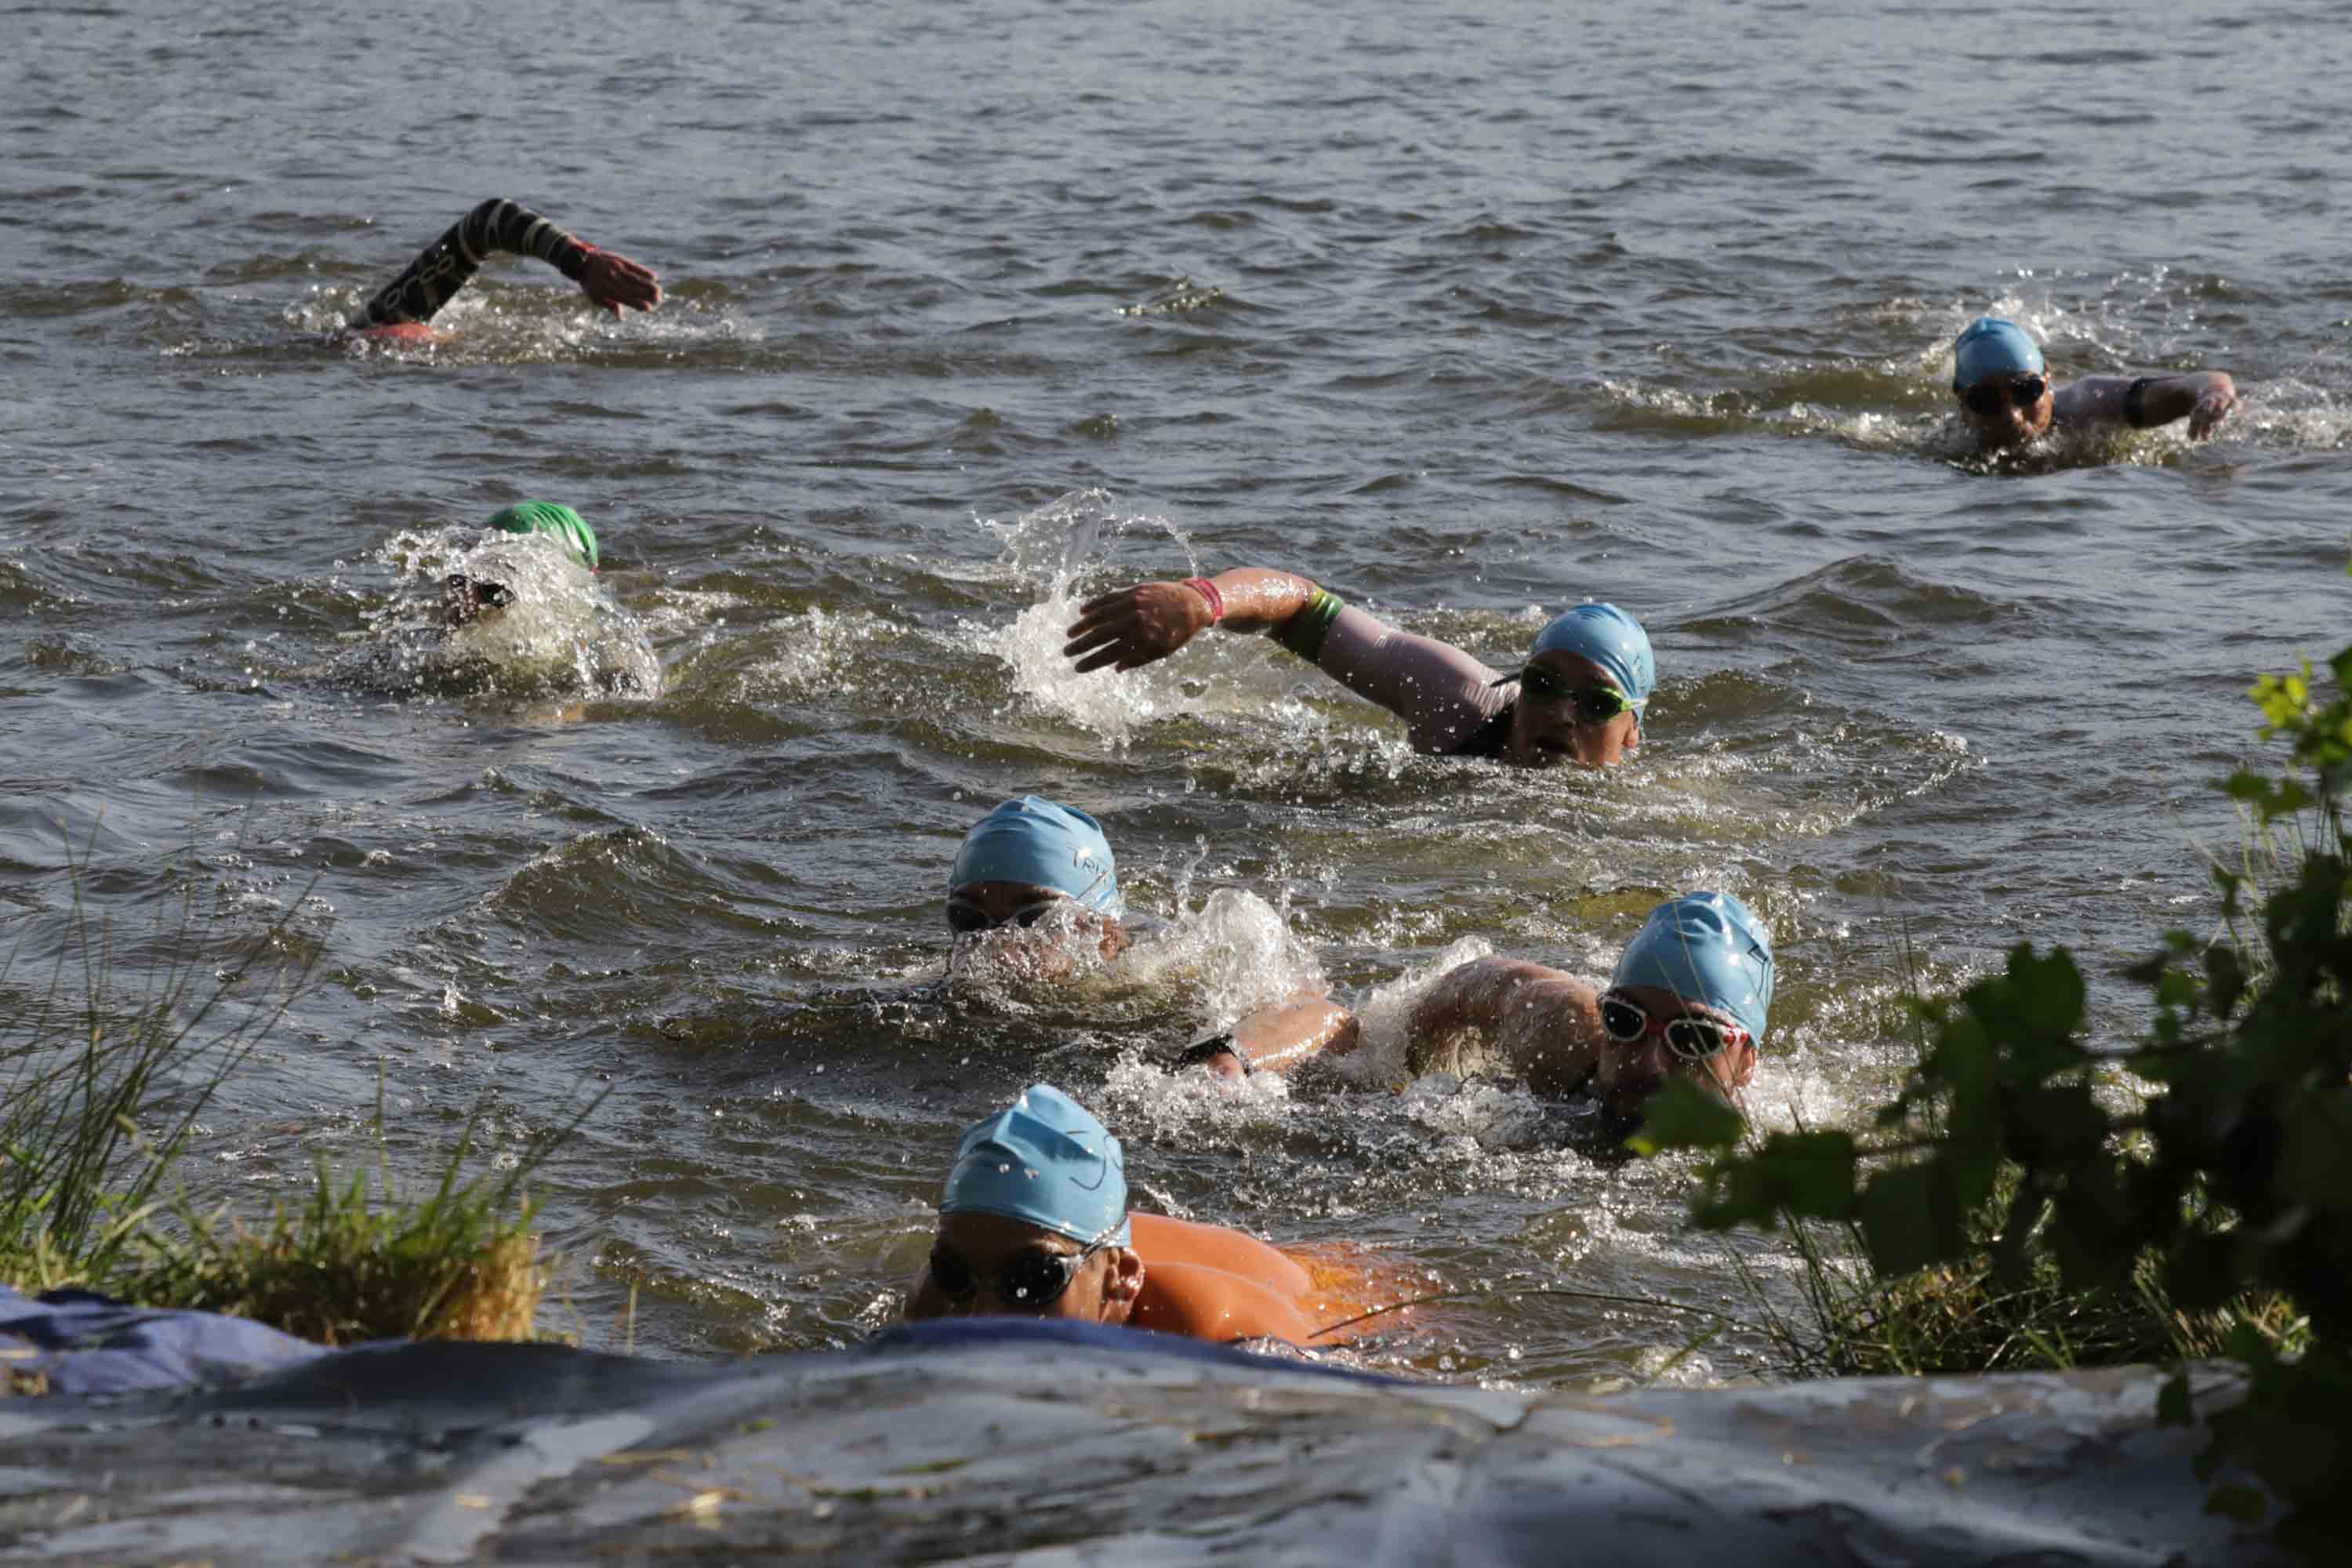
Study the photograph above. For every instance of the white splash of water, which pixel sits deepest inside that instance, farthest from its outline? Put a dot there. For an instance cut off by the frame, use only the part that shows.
(559, 634)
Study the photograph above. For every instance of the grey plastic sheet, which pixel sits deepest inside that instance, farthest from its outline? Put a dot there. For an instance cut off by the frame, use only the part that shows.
(984, 1443)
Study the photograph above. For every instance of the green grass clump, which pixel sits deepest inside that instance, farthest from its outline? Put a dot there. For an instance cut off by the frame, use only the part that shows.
(102, 1092)
(355, 1262)
(1973, 1315)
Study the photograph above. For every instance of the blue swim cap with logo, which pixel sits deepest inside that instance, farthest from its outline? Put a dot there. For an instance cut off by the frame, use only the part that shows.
(1991, 346)
(1609, 638)
(1036, 841)
(1704, 947)
(1044, 1159)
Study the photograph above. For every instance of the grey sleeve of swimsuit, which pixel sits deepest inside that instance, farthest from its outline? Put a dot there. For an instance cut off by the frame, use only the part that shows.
(1442, 693)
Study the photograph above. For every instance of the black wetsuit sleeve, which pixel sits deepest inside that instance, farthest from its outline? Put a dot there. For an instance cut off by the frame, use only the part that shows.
(433, 280)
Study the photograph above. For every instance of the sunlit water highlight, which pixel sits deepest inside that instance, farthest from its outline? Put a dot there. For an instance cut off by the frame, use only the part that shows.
(1472, 314)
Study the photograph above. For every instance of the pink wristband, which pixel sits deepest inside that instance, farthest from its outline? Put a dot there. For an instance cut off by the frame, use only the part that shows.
(1208, 590)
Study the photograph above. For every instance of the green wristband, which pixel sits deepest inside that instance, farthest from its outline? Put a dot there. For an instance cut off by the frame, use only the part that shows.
(1303, 633)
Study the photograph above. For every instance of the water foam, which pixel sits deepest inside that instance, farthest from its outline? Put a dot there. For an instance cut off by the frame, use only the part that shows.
(560, 635)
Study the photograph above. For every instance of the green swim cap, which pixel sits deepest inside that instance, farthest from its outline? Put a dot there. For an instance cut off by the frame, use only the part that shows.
(546, 517)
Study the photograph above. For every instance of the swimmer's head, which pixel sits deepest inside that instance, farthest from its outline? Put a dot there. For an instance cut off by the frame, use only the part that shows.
(1690, 996)
(2003, 382)
(466, 599)
(1046, 1160)
(1034, 845)
(565, 526)
(1587, 682)
(1033, 1219)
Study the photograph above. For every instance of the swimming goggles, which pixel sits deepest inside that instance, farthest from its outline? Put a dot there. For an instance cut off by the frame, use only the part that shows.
(1691, 1039)
(1032, 1282)
(965, 915)
(464, 598)
(1986, 395)
(1594, 704)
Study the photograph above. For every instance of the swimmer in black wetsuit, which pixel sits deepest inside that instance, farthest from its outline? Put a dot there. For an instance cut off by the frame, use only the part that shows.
(404, 308)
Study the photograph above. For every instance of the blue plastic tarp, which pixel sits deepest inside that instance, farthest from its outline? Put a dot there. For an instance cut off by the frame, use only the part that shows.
(88, 1344)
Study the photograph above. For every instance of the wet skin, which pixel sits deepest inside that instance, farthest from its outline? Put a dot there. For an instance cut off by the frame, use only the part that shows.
(1547, 734)
(1627, 1072)
(1546, 1023)
(1103, 1290)
(1023, 904)
(2011, 425)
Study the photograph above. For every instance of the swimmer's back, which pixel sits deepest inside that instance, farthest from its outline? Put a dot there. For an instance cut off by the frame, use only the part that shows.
(1211, 1283)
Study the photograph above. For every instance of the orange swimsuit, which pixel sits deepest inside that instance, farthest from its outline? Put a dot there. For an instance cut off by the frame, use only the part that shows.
(1212, 1283)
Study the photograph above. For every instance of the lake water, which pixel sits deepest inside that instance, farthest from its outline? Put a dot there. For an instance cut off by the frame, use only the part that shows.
(1470, 312)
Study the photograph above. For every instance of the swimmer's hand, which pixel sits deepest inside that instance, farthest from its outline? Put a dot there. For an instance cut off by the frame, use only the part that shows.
(1136, 627)
(614, 281)
(2221, 395)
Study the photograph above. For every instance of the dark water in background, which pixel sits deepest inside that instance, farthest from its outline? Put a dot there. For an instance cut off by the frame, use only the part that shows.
(1469, 312)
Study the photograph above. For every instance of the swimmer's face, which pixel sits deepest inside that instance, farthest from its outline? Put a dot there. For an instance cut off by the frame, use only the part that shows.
(1057, 917)
(985, 1265)
(1548, 729)
(465, 600)
(1629, 1072)
(2009, 409)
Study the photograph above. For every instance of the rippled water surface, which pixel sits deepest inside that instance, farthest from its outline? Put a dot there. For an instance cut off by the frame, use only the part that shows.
(1470, 312)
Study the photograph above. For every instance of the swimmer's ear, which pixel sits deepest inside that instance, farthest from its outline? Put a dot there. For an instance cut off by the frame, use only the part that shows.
(1743, 1067)
(1122, 1283)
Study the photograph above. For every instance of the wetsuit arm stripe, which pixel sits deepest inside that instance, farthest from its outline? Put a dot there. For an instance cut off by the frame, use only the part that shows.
(446, 266)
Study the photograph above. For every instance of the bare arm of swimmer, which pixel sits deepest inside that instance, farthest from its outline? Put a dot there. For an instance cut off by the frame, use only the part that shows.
(1442, 693)
(1277, 1040)
(2203, 397)
(1546, 1022)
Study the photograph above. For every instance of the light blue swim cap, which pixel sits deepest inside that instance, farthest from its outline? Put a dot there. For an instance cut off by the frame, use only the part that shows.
(1704, 947)
(1991, 346)
(1033, 840)
(1046, 1160)
(1609, 638)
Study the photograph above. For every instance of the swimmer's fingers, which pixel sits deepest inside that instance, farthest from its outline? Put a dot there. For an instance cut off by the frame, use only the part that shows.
(1102, 604)
(1094, 650)
(615, 282)
(2211, 410)
(1136, 625)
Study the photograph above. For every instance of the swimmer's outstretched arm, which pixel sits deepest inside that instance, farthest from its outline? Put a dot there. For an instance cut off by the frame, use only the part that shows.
(1545, 1021)
(2203, 397)
(434, 279)
(1277, 1040)
(1439, 691)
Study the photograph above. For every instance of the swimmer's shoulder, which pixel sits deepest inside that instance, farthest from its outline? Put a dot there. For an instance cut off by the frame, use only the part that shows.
(2095, 401)
(1206, 1303)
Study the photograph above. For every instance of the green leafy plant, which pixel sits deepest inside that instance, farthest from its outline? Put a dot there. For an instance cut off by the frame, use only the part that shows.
(2017, 1146)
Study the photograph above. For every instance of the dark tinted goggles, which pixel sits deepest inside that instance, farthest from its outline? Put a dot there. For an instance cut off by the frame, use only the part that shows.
(1691, 1039)
(1031, 1280)
(1986, 396)
(966, 915)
